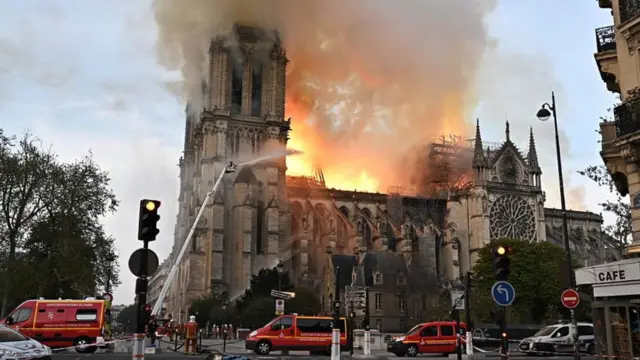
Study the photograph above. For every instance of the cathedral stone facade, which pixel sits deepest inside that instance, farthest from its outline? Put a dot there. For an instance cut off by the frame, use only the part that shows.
(403, 246)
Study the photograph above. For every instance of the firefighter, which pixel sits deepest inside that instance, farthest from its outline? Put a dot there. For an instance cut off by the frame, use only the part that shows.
(191, 336)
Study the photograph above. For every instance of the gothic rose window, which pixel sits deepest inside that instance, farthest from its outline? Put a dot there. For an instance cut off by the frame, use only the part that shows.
(513, 218)
(509, 169)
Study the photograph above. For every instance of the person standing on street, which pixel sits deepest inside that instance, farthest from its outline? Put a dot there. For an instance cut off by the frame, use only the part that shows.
(152, 327)
(191, 336)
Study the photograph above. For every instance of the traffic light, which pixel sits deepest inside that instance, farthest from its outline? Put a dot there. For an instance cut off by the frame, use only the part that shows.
(504, 341)
(501, 262)
(148, 222)
(145, 314)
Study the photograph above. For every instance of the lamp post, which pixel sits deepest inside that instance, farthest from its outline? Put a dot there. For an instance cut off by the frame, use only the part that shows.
(110, 259)
(280, 268)
(545, 112)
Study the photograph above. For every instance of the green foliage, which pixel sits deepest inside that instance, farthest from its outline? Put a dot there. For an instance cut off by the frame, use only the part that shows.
(305, 303)
(621, 230)
(126, 320)
(256, 307)
(537, 274)
(262, 284)
(50, 216)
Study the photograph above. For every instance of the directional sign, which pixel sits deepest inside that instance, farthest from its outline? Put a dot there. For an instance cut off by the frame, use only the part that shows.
(503, 293)
(279, 307)
(457, 300)
(570, 298)
(285, 295)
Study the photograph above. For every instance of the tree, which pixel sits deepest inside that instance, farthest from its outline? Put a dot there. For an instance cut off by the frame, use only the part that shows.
(262, 284)
(126, 320)
(537, 274)
(305, 303)
(50, 224)
(258, 312)
(25, 178)
(621, 230)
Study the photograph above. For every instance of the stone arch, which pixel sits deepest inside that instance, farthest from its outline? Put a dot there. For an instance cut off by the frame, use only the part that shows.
(319, 215)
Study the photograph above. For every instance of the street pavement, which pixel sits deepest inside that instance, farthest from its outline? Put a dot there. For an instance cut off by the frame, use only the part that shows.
(167, 356)
(166, 350)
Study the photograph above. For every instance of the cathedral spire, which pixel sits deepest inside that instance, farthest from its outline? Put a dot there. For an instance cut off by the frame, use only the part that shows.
(532, 157)
(478, 154)
(507, 131)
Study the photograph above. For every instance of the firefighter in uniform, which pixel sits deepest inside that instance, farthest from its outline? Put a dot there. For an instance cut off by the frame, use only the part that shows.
(191, 336)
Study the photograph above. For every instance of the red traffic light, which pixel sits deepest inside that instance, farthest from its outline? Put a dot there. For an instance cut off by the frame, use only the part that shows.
(147, 308)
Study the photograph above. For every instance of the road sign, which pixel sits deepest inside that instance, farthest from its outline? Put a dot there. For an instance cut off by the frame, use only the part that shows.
(503, 293)
(135, 262)
(457, 300)
(279, 307)
(570, 298)
(285, 295)
(108, 297)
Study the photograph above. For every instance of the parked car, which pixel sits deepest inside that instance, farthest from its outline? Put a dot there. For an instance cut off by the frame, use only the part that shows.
(555, 338)
(15, 346)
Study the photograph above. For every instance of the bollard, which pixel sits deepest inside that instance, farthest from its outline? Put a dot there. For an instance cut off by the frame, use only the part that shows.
(175, 339)
(199, 348)
(469, 343)
(138, 347)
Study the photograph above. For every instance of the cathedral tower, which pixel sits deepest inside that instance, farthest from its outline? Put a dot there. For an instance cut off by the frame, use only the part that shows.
(246, 225)
(505, 201)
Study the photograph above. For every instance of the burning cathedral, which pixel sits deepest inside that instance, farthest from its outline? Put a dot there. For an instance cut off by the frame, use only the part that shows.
(405, 247)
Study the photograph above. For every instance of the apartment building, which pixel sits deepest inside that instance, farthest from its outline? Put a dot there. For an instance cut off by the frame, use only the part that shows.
(618, 59)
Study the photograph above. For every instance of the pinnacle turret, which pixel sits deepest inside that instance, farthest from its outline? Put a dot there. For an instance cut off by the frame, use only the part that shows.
(478, 153)
(532, 157)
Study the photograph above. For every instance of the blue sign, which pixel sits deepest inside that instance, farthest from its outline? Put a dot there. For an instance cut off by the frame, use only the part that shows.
(503, 293)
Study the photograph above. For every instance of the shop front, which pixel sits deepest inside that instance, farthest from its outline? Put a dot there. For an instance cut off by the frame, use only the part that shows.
(616, 307)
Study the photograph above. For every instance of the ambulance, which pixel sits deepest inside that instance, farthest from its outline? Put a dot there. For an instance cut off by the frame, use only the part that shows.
(295, 332)
(63, 323)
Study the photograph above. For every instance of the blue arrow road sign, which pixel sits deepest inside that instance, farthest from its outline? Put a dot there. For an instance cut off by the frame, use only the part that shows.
(503, 293)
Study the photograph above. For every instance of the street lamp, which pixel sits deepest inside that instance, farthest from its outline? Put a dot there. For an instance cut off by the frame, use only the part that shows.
(280, 269)
(543, 115)
(110, 259)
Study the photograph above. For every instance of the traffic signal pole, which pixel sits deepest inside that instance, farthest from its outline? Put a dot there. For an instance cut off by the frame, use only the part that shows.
(143, 268)
(335, 336)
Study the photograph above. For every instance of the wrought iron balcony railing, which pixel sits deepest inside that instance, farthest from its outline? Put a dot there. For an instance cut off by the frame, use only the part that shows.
(626, 119)
(629, 9)
(606, 38)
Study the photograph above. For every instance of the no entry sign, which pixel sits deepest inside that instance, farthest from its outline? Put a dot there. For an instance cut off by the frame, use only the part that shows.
(570, 298)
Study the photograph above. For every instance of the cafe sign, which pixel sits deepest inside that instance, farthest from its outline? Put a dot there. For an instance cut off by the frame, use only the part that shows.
(609, 273)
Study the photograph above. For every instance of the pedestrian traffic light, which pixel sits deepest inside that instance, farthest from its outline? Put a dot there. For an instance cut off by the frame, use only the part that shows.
(148, 222)
(501, 262)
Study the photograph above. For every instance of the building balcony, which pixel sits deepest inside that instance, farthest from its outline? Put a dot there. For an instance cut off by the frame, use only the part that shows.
(626, 119)
(629, 10)
(606, 38)
(607, 57)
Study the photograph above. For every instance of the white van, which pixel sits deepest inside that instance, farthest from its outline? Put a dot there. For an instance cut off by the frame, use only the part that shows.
(555, 338)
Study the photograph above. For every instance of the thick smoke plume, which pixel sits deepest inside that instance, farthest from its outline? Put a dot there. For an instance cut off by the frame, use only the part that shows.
(367, 80)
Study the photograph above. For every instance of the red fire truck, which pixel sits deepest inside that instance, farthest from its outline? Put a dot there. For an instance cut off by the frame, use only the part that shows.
(63, 323)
